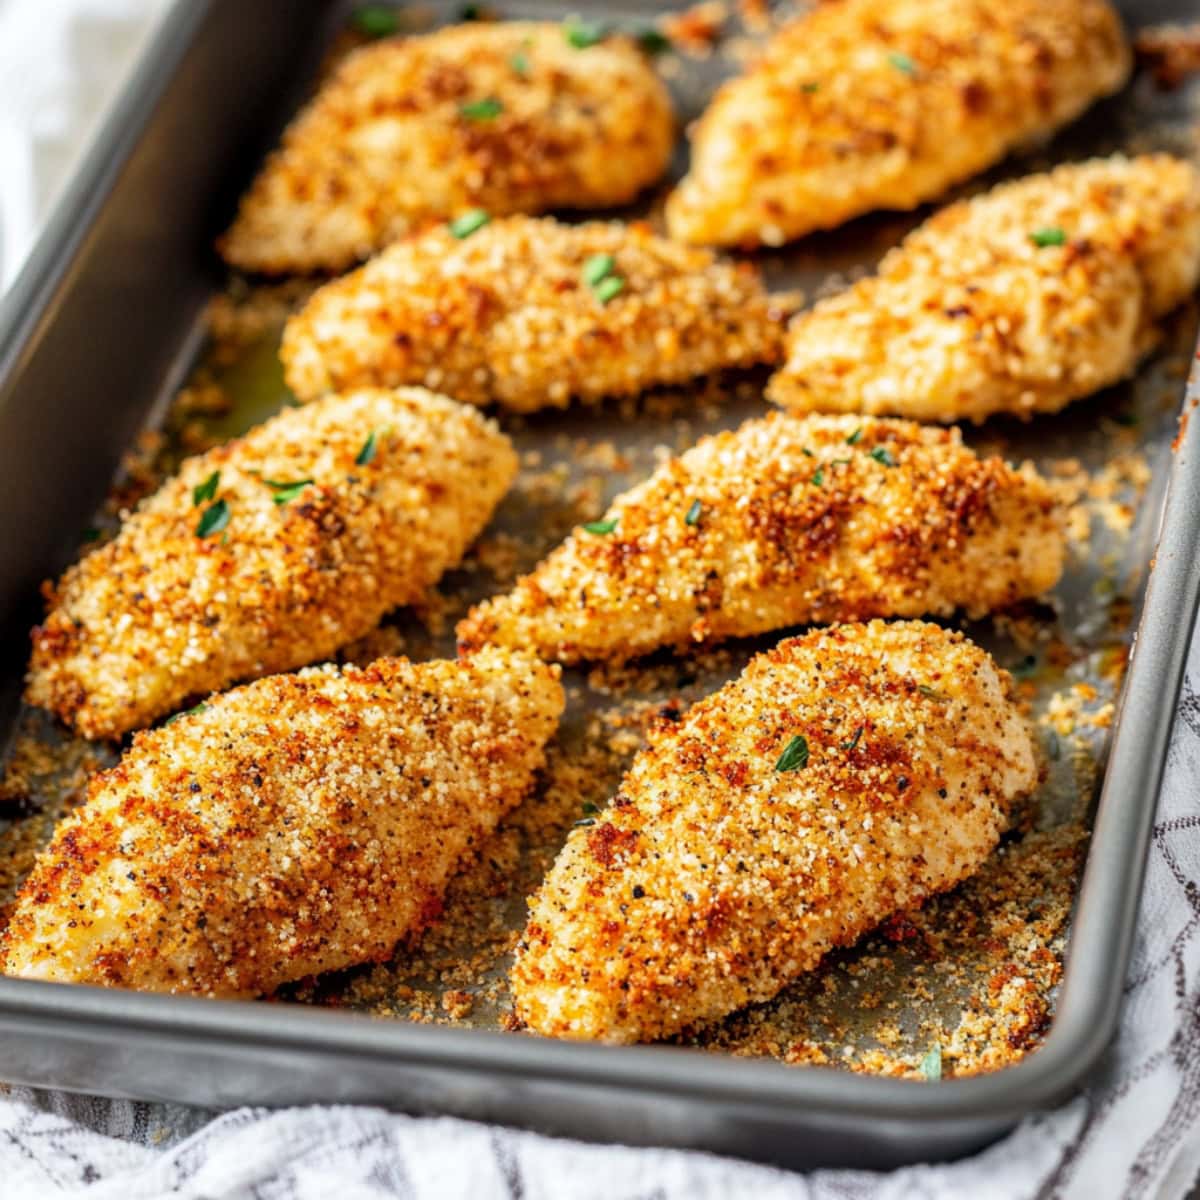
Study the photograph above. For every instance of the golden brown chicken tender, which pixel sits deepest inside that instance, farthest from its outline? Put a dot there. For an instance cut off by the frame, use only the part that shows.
(510, 117)
(527, 312)
(787, 522)
(267, 554)
(1019, 300)
(845, 776)
(869, 104)
(299, 824)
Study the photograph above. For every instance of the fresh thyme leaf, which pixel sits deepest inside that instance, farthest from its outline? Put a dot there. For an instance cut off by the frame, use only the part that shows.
(931, 1064)
(367, 453)
(582, 34)
(903, 63)
(376, 20)
(1051, 235)
(470, 222)
(854, 740)
(206, 490)
(482, 110)
(806, 452)
(214, 518)
(881, 454)
(590, 809)
(932, 693)
(693, 513)
(818, 477)
(601, 527)
(598, 267)
(794, 756)
(855, 437)
(608, 287)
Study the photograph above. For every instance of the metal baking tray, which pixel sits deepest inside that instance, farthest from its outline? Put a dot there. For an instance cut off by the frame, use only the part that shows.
(104, 326)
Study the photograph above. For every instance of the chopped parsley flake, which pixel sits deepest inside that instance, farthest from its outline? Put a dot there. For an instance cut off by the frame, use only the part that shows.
(601, 527)
(590, 809)
(1051, 235)
(931, 1064)
(286, 491)
(520, 63)
(653, 42)
(470, 222)
(903, 63)
(376, 20)
(855, 437)
(482, 110)
(205, 491)
(214, 518)
(806, 452)
(367, 453)
(794, 756)
(810, 87)
(598, 267)
(187, 712)
(932, 693)
(693, 513)
(881, 454)
(818, 477)
(854, 740)
(582, 34)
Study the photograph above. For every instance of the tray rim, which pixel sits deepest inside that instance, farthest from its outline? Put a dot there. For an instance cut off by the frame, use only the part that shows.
(1101, 935)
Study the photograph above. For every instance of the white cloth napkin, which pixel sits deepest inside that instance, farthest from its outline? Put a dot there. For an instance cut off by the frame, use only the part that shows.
(1135, 1132)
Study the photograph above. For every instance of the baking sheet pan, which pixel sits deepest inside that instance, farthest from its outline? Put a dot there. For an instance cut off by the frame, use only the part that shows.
(77, 378)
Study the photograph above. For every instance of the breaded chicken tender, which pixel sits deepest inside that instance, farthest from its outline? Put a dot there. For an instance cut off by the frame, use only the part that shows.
(787, 522)
(267, 554)
(527, 312)
(845, 776)
(299, 824)
(868, 104)
(1019, 300)
(509, 117)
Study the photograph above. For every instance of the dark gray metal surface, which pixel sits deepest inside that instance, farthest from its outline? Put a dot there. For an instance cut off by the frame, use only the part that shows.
(90, 341)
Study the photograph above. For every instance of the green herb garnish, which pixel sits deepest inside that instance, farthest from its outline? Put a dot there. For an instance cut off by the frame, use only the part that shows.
(206, 490)
(286, 491)
(932, 693)
(582, 34)
(818, 477)
(520, 63)
(810, 87)
(482, 110)
(590, 810)
(903, 63)
(794, 756)
(214, 518)
(693, 513)
(854, 740)
(187, 712)
(842, 462)
(376, 20)
(881, 454)
(855, 437)
(367, 453)
(1025, 667)
(1052, 235)
(931, 1064)
(470, 221)
(598, 267)
(653, 42)
(806, 452)
(607, 288)
(601, 527)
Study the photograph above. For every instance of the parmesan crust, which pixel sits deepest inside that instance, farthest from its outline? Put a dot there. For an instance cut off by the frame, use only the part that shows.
(510, 315)
(160, 614)
(869, 104)
(299, 824)
(716, 876)
(981, 310)
(506, 116)
(787, 522)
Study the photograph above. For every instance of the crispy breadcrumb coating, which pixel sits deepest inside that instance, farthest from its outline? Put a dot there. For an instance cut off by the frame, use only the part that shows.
(298, 824)
(1019, 300)
(509, 117)
(871, 104)
(334, 514)
(844, 776)
(514, 314)
(787, 522)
